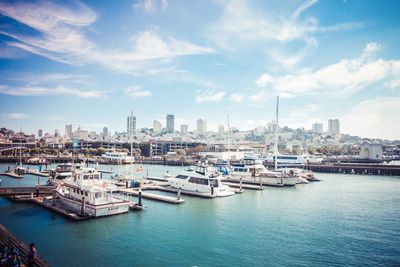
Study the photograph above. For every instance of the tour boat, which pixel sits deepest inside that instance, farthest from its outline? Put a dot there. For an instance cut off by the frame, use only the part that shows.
(204, 181)
(88, 194)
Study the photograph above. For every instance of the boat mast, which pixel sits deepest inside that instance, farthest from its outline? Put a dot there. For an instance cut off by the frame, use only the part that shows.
(131, 133)
(20, 148)
(229, 142)
(276, 133)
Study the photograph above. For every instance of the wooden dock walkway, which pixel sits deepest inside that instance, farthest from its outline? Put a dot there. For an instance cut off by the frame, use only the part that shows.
(157, 197)
(26, 190)
(37, 173)
(7, 238)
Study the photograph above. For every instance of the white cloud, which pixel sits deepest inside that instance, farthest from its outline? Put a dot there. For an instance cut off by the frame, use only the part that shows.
(393, 84)
(41, 90)
(136, 91)
(236, 97)
(209, 96)
(63, 38)
(342, 78)
(15, 116)
(378, 118)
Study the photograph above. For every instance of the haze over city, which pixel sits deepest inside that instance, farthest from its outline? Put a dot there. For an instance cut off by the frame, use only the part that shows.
(78, 63)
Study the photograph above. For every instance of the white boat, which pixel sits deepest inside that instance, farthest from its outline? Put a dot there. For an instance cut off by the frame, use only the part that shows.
(249, 170)
(63, 171)
(114, 157)
(87, 193)
(204, 181)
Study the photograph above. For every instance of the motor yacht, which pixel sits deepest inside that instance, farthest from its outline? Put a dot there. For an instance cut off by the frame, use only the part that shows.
(203, 180)
(87, 193)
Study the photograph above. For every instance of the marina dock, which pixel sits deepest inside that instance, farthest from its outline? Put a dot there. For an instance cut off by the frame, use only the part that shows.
(7, 238)
(12, 174)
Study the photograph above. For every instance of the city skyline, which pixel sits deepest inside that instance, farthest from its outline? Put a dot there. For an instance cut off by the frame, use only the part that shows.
(91, 63)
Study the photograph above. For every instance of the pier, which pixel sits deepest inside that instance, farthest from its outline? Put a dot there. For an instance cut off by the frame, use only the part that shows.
(7, 238)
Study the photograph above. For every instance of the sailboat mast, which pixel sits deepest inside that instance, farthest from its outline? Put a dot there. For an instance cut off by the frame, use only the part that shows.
(131, 133)
(276, 132)
(20, 148)
(229, 142)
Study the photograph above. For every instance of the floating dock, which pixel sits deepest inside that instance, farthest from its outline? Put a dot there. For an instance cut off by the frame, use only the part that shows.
(157, 197)
(12, 174)
(37, 173)
(243, 185)
(7, 238)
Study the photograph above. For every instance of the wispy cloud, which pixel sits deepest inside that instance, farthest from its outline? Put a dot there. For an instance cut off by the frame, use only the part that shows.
(151, 6)
(339, 79)
(242, 25)
(136, 91)
(236, 97)
(62, 38)
(209, 96)
(15, 116)
(58, 90)
(55, 118)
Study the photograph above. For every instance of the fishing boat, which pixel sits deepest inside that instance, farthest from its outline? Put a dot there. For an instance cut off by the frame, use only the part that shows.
(87, 193)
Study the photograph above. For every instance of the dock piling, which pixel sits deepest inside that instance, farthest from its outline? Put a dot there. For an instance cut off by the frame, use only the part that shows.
(178, 194)
(241, 184)
(140, 197)
(261, 184)
(83, 206)
(53, 197)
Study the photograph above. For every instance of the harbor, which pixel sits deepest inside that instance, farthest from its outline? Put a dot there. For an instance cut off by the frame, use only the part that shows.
(289, 212)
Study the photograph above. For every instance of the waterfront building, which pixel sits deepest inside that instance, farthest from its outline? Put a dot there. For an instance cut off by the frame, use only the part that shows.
(170, 122)
(81, 134)
(40, 133)
(370, 150)
(221, 129)
(184, 129)
(317, 128)
(201, 126)
(157, 127)
(333, 126)
(131, 124)
(105, 132)
(68, 131)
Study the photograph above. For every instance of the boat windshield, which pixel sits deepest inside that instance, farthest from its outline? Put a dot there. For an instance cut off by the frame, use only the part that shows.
(213, 182)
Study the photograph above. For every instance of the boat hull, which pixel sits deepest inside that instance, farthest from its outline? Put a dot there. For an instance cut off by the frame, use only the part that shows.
(96, 210)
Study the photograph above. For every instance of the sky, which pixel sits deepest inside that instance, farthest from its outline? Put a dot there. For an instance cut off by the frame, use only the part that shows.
(91, 63)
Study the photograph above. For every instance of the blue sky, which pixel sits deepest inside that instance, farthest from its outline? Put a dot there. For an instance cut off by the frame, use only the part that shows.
(90, 63)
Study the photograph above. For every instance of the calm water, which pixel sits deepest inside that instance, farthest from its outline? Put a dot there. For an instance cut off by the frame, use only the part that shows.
(344, 220)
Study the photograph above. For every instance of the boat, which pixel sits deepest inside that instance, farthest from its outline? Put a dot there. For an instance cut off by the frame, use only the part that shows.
(87, 193)
(251, 170)
(204, 180)
(115, 157)
(63, 171)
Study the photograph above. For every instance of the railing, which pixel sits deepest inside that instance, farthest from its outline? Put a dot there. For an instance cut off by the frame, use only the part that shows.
(7, 238)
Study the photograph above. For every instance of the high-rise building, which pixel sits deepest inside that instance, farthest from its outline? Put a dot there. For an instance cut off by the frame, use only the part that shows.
(317, 127)
(170, 123)
(105, 132)
(221, 129)
(333, 126)
(201, 126)
(157, 127)
(184, 129)
(56, 133)
(40, 133)
(131, 124)
(68, 131)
